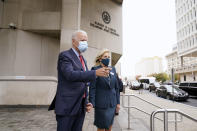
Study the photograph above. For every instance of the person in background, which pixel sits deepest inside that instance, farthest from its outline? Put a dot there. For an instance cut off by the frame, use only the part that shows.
(120, 83)
(104, 94)
(141, 88)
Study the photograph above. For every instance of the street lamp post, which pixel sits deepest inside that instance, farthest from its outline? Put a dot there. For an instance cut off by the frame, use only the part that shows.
(172, 79)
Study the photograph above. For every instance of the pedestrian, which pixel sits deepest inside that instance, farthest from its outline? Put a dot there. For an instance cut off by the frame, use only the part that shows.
(70, 102)
(141, 88)
(120, 84)
(104, 94)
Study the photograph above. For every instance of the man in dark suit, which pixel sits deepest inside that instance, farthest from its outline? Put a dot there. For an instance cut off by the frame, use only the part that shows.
(70, 102)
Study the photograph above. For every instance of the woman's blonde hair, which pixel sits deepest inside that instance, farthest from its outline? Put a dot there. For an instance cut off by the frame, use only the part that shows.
(99, 56)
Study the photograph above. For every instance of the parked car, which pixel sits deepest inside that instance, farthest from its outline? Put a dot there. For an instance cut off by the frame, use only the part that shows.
(153, 86)
(189, 87)
(171, 92)
(167, 83)
(135, 85)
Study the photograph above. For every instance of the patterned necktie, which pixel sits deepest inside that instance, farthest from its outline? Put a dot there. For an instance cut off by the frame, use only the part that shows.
(82, 62)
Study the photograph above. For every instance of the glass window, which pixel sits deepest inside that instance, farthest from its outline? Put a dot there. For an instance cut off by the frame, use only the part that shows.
(196, 25)
(196, 37)
(193, 84)
(190, 43)
(184, 77)
(194, 12)
(184, 84)
(193, 40)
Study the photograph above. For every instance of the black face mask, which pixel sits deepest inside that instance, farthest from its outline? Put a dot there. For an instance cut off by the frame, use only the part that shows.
(105, 61)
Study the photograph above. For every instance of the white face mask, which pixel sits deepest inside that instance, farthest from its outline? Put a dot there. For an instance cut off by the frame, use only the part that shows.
(83, 46)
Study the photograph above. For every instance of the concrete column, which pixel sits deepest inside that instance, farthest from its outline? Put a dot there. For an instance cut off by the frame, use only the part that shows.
(70, 21)
(1, 13)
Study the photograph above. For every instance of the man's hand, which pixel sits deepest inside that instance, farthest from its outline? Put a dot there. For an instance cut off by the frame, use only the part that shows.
(104, 72)
(89, 106)
(117, 108)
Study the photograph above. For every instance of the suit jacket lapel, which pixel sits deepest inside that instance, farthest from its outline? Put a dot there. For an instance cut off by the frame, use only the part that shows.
(76, 59)
(110, 78)
(105, 79)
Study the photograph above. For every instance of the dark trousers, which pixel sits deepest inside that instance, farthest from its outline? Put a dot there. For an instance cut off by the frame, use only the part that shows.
(71, 123)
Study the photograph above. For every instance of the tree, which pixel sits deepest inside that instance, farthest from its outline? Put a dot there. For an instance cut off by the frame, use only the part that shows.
(161, 77)
(176, 77)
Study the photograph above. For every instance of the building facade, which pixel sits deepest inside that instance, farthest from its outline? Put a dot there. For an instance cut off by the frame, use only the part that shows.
(33, 32)
(184, 58)
(173, 60)
(187, 71)
(186, 22)
(148, 66)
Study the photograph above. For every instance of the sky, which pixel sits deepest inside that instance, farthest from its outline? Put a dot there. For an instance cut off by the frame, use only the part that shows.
(149, 29)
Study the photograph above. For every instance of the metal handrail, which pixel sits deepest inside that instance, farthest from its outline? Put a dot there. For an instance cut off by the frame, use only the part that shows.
(133, 107)
(142, 100)
(123, 96)
(166, 111)
(26, 78)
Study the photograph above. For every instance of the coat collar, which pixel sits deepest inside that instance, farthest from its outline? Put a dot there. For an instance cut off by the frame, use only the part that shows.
(76, 59)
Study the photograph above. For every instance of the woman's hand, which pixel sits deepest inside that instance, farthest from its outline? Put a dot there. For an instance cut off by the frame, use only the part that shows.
(117, 108)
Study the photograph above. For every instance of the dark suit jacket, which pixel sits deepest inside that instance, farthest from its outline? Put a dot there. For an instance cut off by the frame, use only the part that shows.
(104, 91)
(72, 84)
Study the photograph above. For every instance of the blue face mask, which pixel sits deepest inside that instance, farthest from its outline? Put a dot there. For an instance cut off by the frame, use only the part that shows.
(83, 46)
(105, 61)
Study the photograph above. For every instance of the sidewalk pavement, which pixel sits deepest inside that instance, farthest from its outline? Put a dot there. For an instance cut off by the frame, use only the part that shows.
(143, 119)
(140, 121)
(120, 122)
(40, 119)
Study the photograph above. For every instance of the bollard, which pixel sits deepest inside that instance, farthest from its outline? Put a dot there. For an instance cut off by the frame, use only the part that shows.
(165, 120)
(175, 121)
(129, 113)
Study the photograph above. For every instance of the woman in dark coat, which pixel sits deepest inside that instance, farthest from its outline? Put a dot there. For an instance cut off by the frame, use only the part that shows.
(104, 94)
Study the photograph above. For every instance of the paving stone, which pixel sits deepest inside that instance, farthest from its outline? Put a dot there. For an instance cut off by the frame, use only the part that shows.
(38, 119)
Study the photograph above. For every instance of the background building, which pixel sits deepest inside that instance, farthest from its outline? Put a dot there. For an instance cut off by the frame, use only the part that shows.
(148, 66)
(184, 58)
(173, 60)
(33, 32)
(186, 21)
(187, 71)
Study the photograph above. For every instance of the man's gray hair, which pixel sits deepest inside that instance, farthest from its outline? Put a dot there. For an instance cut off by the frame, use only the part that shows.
(74, 35)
